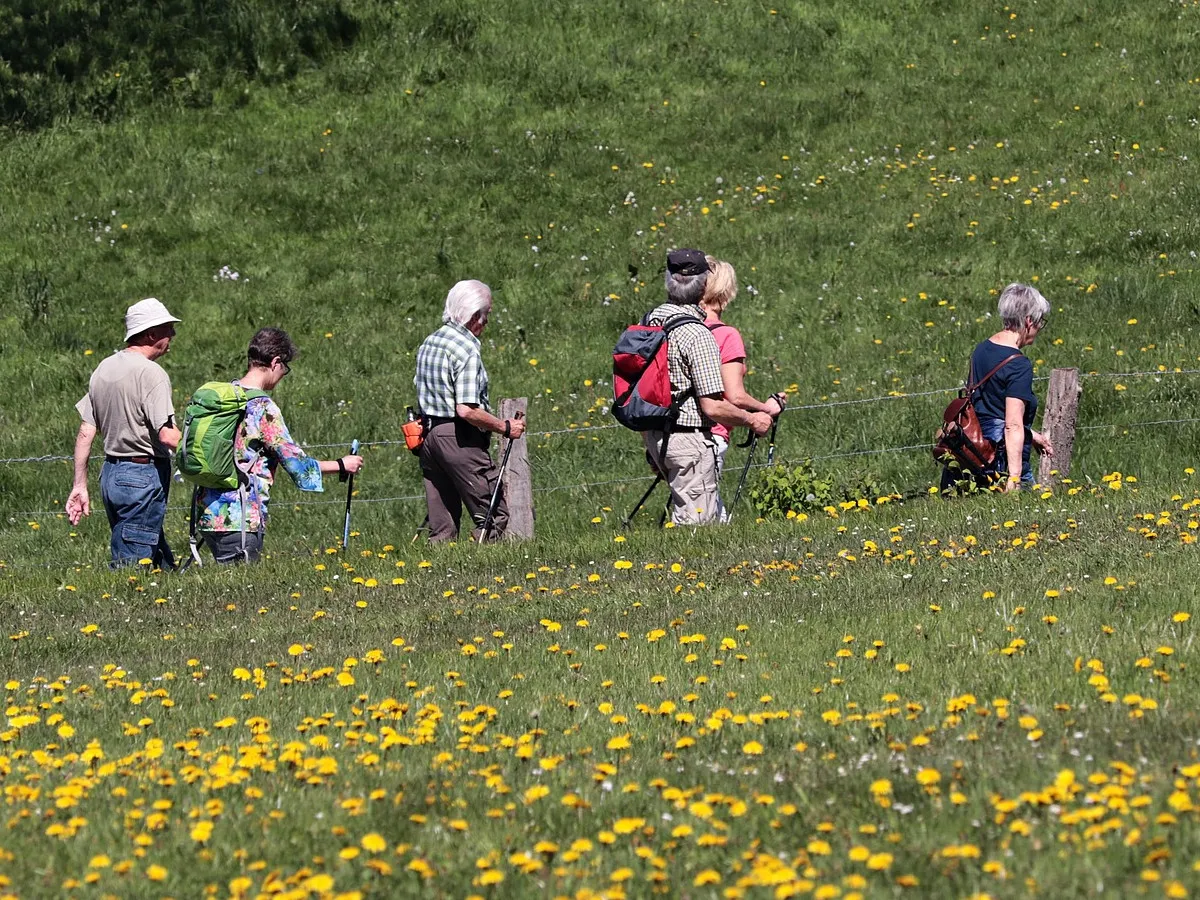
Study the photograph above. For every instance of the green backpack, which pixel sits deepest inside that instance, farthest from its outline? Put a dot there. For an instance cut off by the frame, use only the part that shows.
(205, 455)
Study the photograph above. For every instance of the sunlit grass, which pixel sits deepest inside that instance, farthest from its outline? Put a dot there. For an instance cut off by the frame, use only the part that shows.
(988, 696)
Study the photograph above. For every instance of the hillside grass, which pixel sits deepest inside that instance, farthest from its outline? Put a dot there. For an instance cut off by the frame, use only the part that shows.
(876, 173)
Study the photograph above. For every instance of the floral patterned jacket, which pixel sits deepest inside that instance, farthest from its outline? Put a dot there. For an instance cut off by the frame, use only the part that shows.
(261, 445)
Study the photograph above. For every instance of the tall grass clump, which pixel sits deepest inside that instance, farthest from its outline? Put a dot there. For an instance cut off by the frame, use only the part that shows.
(60, 59)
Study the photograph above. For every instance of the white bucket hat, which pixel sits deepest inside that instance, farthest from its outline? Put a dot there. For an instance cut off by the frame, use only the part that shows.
(145, 314)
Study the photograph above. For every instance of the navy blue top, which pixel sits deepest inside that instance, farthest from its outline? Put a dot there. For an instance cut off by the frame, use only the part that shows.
(1015, 379)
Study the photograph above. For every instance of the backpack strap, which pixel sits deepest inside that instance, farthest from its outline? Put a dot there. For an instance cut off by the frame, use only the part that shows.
(668, 327)
(193, 525)
(973, 386)
(245, 396)
(678, 321)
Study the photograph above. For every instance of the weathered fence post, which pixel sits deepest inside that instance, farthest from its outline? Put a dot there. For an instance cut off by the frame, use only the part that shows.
(518, 481)
(1062, 409)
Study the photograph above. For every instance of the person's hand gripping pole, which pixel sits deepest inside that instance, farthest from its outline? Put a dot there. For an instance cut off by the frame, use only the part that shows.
(349, 494)
(485, 531)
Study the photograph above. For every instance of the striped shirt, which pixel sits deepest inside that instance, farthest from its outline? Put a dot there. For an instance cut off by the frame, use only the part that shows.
(693, 362)
(450, 371)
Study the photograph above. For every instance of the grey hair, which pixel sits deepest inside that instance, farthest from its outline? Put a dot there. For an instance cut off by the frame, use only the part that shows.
(685, 290)
(1019, 302)
(465, 300)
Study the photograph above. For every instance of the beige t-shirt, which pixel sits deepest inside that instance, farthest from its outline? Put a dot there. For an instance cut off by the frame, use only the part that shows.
(129, 400)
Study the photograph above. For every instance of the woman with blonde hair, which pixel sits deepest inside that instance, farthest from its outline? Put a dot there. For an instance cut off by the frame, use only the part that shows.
(719, 291)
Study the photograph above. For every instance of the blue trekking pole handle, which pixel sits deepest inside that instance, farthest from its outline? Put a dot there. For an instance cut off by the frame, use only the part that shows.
(349, 494)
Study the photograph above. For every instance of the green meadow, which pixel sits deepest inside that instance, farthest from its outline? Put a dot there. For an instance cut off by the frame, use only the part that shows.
(909, 696)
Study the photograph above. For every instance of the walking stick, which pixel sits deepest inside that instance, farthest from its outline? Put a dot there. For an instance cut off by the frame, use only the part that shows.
(745, 472)
(349, 494)
(646, 496)
(753, 442)
(487, 521)
(774, 428)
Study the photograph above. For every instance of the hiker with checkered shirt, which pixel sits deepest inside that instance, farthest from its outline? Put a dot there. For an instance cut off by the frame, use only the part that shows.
(689, 464)
(452, 396)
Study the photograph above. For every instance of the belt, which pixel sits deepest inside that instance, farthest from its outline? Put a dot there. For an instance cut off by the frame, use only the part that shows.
(690, 429)
(144, 460)
(438, 420)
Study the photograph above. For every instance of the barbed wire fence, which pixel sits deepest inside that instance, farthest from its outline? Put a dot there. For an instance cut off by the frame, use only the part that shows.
(642, 479)
(419, 498)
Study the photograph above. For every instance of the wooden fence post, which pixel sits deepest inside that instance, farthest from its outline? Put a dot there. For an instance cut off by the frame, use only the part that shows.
(518, 480)
(1062, 409)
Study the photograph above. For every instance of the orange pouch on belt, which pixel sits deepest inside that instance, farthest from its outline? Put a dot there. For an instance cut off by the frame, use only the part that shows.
(414, 435)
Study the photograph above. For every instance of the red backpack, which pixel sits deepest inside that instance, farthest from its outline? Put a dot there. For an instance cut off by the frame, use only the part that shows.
(642, 398)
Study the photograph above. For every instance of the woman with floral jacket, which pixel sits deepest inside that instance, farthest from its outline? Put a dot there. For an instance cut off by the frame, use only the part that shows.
(232, 523)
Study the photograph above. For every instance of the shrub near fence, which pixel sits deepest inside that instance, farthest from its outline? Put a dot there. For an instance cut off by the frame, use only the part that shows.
(60, 58)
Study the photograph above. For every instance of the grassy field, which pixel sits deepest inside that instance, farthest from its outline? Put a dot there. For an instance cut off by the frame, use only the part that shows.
(993, 696)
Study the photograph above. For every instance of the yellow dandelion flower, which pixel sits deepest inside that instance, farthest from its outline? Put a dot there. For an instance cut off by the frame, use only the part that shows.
(373, 842)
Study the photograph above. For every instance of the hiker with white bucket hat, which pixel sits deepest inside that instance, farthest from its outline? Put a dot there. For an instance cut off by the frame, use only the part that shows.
(129, 402)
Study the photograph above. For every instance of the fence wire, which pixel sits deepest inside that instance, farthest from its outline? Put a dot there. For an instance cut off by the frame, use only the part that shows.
(835, 404)
(569, 486)
(587, 485)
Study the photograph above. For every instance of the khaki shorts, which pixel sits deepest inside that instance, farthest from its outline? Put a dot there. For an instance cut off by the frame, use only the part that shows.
(690, 472)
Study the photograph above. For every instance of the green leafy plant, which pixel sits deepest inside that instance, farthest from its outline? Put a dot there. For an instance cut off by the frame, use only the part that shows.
(801, 487)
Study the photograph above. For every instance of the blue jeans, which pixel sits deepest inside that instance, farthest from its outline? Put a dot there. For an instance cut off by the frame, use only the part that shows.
(135, 500)
(993, 430)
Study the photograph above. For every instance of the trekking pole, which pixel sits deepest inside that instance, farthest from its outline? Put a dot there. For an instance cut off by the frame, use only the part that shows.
(742, 479)
(774, 428)
(349, 494)
(752, 440)
(487, 521)
(646, 496)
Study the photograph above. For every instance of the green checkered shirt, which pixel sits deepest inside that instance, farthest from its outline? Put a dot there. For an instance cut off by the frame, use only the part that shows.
(450, 371)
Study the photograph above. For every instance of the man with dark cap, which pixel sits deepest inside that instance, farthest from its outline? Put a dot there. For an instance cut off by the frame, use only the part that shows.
(688, 462)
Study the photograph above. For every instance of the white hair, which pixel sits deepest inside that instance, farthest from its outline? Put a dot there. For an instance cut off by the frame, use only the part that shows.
(465, 300)
(685, 290)
(1019, 302)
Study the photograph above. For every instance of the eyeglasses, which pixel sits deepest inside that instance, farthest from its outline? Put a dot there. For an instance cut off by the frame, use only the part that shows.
(286, 368)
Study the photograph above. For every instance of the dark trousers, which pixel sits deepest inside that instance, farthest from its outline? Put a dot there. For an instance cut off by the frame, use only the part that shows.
(226, 546)
(459, 470)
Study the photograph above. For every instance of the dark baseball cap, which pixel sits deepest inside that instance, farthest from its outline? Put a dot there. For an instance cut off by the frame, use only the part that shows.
(686, 262)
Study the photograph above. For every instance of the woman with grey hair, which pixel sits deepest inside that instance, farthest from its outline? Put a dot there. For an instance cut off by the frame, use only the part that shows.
(1005, 402)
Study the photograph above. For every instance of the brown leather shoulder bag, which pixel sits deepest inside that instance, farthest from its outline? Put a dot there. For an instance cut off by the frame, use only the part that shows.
(960, 442)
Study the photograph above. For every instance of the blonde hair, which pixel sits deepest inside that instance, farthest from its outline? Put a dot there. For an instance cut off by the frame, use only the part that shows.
(721, 287)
